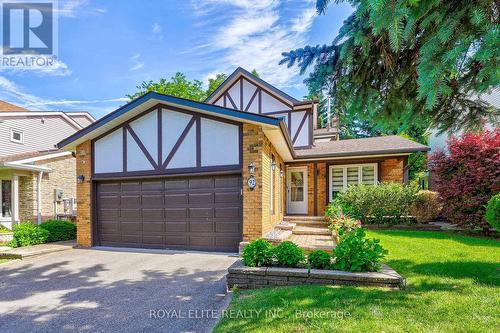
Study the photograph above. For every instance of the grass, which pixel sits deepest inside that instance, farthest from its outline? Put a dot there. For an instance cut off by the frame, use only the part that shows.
(453, 286)
(4, 260)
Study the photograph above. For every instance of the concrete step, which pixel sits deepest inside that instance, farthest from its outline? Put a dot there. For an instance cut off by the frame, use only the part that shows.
(302, 230)
(293, 218)
(314, 224)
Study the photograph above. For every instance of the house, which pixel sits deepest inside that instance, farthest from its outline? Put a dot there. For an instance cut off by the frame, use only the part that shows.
(166, 172)
(37, 180)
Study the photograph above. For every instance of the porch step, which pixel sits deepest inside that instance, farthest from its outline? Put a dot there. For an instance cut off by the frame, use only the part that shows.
(293, 218)
(303, 230)
(314, 224)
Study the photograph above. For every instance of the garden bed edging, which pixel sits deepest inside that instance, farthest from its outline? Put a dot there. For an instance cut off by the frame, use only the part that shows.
(244, 277)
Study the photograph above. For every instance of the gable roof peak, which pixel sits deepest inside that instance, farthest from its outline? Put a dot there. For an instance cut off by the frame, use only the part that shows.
(240, 71)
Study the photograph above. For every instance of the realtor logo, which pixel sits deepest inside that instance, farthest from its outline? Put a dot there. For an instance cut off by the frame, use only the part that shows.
(29, 33)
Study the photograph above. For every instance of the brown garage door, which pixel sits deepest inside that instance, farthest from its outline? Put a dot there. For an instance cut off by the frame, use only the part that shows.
(198, 213)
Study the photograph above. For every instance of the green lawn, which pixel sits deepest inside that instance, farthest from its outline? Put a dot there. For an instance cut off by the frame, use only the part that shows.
(453, 286)
(4, 260)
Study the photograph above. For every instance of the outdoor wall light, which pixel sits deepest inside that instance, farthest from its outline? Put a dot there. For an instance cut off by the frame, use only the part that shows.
(273, 166)
(282, 173)
(80, 179)
(251, 168)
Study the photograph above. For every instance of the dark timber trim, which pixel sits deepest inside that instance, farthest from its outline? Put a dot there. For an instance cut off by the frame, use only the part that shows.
(160, 137)
(124, 133)
(300, 127)
(198, 142)
(251, 100)
(142, 147)
(241, 93)
(178, 143)
(315, 175)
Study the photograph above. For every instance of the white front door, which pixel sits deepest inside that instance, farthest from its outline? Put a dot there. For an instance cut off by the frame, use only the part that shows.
(297, 190)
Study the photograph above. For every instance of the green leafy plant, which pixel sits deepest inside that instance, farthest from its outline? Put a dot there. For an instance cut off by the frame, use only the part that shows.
(4, 230)
(288, 254)
(426, 206)
(386, 203)
(27, 233)
(356, 253)
(258, 253)
(59, 230)
(492, 215)
(343, 225)
(319, 259)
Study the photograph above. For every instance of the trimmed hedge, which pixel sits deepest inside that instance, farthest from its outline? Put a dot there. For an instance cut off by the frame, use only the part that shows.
(288, 254)
(59, 230)
(426, 207)
(27, 233)
(492, 215)
(386, 203)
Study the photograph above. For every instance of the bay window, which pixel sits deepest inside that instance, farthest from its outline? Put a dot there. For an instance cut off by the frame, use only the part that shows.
(343, 176)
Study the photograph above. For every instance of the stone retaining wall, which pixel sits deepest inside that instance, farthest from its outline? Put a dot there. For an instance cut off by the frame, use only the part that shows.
(259, 277)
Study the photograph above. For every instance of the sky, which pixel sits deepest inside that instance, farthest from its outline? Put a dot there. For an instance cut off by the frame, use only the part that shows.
(107, 48)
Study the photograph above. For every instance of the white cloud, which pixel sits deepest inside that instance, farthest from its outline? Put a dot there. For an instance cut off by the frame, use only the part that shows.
(70, 7)
(253, 34)
(156, 28)
(136, 62)
(11, 92)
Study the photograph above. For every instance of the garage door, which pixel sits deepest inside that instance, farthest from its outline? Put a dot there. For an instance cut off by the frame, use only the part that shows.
(197, 213)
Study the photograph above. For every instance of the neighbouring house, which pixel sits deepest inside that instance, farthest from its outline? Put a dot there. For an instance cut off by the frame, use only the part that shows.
(37, 180)
(166, 172)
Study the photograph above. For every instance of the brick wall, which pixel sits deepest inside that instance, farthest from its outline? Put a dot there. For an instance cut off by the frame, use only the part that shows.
(258, 218)
(391, 169)
(61, 177)
(27, 198)
(83, 198)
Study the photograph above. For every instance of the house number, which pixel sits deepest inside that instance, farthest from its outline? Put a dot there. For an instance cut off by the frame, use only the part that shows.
(251, 182)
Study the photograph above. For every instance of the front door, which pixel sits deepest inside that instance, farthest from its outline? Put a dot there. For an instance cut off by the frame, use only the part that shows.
(297, 190)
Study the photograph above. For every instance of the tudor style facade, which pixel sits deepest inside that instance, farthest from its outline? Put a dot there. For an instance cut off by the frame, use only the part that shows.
(165, 172)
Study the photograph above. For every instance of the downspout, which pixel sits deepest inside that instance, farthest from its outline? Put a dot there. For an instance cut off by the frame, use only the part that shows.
(39, 197)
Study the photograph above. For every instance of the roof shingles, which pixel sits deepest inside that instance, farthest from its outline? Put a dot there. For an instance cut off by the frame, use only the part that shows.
(392, 144)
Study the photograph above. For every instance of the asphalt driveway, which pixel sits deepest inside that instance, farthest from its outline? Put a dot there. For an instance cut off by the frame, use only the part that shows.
(113, 291)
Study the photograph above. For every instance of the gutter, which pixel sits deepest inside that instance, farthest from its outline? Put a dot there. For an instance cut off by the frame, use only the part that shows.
(19, 166)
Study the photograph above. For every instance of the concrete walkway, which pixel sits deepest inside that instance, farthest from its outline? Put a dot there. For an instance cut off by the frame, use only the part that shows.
(100, 290)
(36, 250)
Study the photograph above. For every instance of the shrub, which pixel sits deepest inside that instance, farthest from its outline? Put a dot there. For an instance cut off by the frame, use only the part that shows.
(467, 176)
(288, 254)
(319, 259)
(492, 215)
(257, 253)
(344, 224)
(355, 253)
(59, 230)
(426, 207)
(27, 233)
(385, 203)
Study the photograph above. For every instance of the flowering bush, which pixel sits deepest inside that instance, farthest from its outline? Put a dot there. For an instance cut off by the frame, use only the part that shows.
(342, 225)
(468, 176)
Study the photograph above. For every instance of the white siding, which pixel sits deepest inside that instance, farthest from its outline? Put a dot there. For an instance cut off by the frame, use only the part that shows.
(173, 124)
(271, 104)
(303, 136)
(146, 128)
(185, 157)
(136, 160)
(219, 143)
(248, 91)
(38, 135)
(81, 120)
(235, 95)
(108, 153)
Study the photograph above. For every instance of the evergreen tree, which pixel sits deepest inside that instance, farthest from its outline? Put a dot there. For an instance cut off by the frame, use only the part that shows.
(403, 65)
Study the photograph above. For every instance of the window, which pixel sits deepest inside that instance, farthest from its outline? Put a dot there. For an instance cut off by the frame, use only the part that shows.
(6, 198)
(16, 136)
(343, 176)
